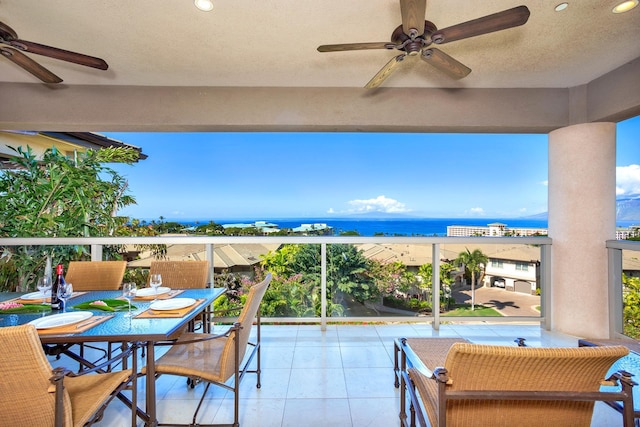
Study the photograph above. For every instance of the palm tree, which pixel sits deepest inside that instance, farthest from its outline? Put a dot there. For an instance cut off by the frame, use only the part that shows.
(475, 262)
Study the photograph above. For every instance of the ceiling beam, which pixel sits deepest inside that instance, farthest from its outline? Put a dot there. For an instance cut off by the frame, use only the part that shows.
(26, 106)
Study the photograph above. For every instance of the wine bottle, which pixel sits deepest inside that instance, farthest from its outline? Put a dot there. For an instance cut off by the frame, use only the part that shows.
(56, 302)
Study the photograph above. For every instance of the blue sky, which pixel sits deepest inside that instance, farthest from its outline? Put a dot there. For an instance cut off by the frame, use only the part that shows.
(322, 175)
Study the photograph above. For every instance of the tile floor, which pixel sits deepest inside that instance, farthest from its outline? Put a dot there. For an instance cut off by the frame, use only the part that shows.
(339, 377)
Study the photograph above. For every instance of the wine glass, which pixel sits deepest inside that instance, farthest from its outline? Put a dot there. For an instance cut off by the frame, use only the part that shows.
(64, 293)
(44, 284)
(155, 281)
(129, 291)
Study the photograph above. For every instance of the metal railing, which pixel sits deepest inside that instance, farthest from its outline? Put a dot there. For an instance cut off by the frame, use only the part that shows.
(437, 244)
(615, 249)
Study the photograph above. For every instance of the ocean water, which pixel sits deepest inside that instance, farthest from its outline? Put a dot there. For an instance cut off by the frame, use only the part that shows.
(390, 227)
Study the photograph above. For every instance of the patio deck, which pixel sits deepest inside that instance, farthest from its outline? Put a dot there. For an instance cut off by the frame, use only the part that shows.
(341, 377)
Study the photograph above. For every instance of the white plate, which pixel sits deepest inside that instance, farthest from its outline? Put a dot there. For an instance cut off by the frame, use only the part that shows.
(149, 292)
(172, 304)
(34, 296)
(61, 319)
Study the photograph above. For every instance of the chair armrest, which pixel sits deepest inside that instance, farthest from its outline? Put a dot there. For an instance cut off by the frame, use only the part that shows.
(413, 360)
(205, 337)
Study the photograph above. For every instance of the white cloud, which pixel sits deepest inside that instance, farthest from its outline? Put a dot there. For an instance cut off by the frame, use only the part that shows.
(545, 183)
(476, 211)
(331, 211)
(627, 180)
(379, 204)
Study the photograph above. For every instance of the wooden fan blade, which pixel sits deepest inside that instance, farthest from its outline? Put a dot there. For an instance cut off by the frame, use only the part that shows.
(29, 65)
(487, 24)
(61, 54)
(413, 12)
(445, 63)
(385, 72)
(6, 32)
(353, 46)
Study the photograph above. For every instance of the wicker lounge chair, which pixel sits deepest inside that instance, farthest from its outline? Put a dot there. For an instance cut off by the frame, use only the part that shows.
(35, 395)
(486, 385)
(95, 275)
(216, 358)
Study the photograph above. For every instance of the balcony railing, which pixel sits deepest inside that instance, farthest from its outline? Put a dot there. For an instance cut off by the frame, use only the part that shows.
(624, 312)
(438, 249)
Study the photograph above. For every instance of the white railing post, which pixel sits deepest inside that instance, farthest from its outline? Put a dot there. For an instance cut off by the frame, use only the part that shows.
(96, 252)
(616, 318)
(323, 286)
(545, 287)
(435, 279)
(209, 257)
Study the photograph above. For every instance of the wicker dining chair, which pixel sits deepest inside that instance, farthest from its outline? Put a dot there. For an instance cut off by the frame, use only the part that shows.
(185, 275)
(487, 385)
(216, 358)
(95, 275)
(34, 394)
(182, 274)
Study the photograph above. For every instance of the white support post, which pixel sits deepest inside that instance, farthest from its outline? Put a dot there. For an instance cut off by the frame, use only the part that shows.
(435, 280)
(209, 257)
(323, 287)
(96, 252)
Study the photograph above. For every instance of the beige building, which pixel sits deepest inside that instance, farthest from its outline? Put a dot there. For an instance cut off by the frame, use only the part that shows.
(235, 258)
(495, 229)
(67, 143)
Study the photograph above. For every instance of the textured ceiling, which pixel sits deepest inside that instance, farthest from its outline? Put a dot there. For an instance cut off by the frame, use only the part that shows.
(272, 43)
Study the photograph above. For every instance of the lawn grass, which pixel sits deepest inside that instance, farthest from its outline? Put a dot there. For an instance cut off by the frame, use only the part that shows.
(480, 311)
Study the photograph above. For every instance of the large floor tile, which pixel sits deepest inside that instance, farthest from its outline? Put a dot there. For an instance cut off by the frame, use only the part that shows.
(253, 412)
(317, 357)
(374, 356)
(375, 412)
(274, 384)
(370, 382)
(317, 384)
(317, 413)
(277, 356)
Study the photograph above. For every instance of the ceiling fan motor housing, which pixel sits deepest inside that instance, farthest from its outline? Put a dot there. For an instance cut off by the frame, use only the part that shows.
(414, 45)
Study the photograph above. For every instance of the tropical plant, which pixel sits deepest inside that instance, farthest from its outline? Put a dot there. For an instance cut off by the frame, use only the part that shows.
(631, 306)
(347, 272)
(387, 278)
(58, 196)
(425, 272)
(474, 262)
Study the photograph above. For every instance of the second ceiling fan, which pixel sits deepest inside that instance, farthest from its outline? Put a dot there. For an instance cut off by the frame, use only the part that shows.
(416, 36)
(11, 47)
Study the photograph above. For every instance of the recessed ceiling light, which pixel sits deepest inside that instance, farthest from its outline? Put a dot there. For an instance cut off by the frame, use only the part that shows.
(561, 6)
(204, 5)
(625, 6)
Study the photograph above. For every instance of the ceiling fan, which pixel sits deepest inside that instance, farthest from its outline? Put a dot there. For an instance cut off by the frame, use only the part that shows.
(11, 47)
(416, 36)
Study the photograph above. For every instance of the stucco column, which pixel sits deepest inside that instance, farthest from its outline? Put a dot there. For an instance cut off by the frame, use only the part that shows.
(582, 216)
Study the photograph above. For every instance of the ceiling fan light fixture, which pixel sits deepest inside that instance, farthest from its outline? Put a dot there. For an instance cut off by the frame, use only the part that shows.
(625, 6)
(561, 7)
(204, 5)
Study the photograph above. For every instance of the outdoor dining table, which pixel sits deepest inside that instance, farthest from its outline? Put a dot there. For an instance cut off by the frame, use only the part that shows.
(143, 327)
